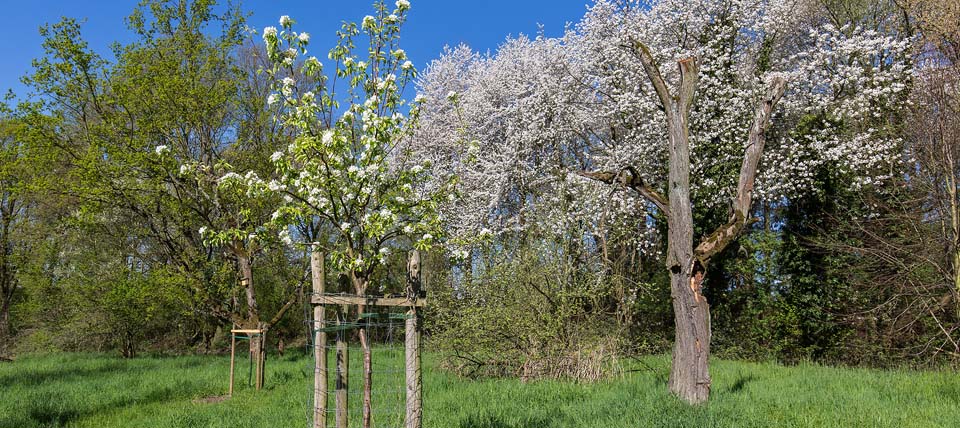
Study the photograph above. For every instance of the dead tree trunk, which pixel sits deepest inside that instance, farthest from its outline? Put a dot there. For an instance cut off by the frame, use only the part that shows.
(689, 374)
(690, 371)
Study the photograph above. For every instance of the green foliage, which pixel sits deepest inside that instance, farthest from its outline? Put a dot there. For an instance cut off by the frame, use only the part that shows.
(113, 137)
(346, 168)
(523, 316)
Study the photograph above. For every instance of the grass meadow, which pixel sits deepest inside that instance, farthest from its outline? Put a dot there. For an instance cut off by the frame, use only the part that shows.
(92, 390)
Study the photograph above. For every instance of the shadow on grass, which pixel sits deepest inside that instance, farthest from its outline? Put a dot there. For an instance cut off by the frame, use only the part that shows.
(741, 382)
(29, 377)
(488, 421)
(55, 409)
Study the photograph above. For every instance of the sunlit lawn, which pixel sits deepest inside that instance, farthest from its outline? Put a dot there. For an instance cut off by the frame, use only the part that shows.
(85, 390)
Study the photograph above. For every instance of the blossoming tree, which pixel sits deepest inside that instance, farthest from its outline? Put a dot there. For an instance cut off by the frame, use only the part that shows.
(345, 168)
(757, 99)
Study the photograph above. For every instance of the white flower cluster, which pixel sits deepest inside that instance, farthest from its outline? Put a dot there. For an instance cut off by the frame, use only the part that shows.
(541, 109)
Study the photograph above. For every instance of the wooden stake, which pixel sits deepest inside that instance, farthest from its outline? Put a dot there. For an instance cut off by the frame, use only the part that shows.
(233, 347)
(320, 344)
(263, 356)
(367, 377)
(342, 368)
(414, 386)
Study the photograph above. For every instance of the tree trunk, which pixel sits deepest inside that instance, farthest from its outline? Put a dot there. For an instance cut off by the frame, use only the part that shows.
(367, 377)
(360, 285)
(342, 371)
(7, 282)
(954, 221)
(689, 374)
(253, 314)
(4, 325)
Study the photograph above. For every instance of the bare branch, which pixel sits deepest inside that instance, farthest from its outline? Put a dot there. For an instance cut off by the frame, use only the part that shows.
(689, 77)
(653, 73)
(720, 238)
(630, 179)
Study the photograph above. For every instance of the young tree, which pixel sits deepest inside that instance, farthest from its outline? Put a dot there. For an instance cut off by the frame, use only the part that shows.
(345, 168)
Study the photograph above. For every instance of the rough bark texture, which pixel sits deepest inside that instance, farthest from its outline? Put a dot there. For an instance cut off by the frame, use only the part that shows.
(743, 199)
(689, 374)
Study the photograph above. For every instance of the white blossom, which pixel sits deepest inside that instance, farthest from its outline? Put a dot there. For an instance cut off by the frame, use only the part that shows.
(528, 106)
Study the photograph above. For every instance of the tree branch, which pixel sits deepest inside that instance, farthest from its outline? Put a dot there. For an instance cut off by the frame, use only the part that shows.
(740, 219)
(689, 77)
(629, 178)
(653, 72)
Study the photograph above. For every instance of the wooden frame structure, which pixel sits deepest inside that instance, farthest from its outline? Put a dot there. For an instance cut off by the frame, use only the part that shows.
(413, 329)
(260, 359)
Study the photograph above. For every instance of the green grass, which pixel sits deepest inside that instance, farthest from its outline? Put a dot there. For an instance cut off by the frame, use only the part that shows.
(83, 390)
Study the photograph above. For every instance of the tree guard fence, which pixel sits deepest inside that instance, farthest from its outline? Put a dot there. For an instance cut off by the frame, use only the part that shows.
(376, 384)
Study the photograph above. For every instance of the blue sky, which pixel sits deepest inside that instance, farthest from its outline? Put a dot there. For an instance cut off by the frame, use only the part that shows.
(432, 24)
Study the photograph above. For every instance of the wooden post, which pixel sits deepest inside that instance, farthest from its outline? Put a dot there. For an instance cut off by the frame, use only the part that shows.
(342, 369)
(256, 361)
(319, 344)
(233, 347)
(414, 407)
(262, 357)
